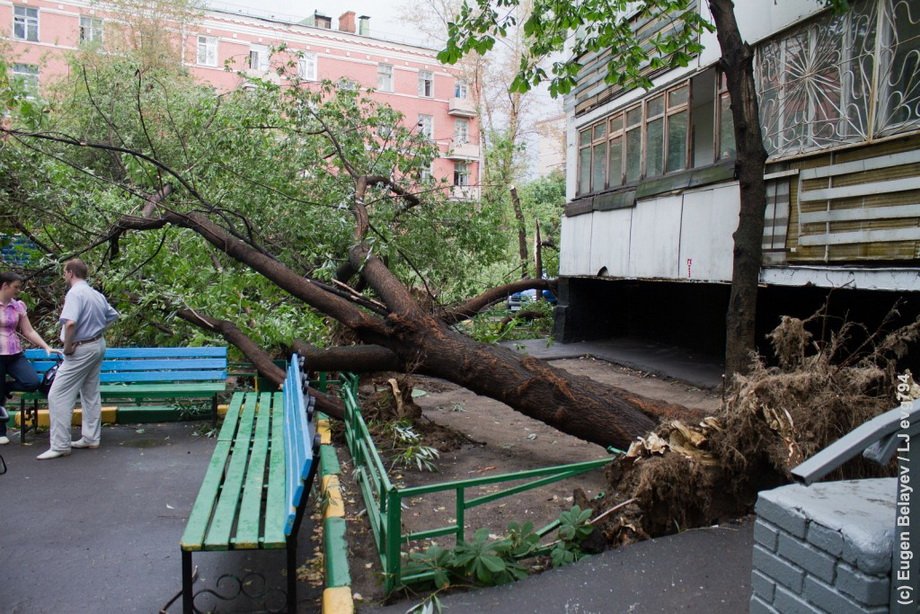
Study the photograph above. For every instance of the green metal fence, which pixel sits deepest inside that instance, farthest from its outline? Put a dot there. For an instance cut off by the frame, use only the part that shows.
(384, 500)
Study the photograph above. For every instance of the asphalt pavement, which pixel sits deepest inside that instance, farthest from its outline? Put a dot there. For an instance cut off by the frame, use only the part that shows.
(98, 531)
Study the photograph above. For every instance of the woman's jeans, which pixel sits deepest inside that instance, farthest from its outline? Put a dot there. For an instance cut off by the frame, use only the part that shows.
(25, 379)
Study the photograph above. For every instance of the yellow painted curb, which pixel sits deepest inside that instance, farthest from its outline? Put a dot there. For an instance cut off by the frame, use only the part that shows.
(338, 600)
(332, 495)
(325, 434)
(108, 416)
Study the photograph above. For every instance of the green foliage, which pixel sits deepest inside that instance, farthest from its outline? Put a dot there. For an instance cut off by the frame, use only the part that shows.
(489, 562)
(573, 529)
(407, 449)
(269, 163)
(598, 24)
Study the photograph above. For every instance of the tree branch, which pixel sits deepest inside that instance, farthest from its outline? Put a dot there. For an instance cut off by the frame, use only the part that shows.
(471, 307)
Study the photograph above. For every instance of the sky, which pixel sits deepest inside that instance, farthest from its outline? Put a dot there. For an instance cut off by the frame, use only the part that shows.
(385, 14)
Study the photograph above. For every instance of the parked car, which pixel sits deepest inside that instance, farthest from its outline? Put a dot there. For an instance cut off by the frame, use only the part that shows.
(519, 299)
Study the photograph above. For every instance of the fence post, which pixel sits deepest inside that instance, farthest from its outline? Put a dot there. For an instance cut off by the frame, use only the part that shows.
(392, 556)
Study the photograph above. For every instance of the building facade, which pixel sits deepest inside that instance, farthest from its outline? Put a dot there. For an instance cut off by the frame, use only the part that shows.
(652, 199)
(408, 78)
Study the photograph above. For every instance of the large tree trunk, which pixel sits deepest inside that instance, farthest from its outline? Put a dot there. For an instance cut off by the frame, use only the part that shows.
(738, 64)
(423, 343)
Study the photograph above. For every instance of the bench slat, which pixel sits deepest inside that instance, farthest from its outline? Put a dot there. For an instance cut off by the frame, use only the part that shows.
(200, 517)
(173, 352)
(228, 428)
(165, 364)
(275, 505)
(161, 376)
(160, 390)
(218, 537)
(248, 526)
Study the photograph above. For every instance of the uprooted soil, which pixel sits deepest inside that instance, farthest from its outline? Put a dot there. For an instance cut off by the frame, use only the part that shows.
(477, 436)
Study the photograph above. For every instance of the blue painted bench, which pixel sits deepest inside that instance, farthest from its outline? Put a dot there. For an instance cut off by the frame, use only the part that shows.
(258, 481)
(143, 374)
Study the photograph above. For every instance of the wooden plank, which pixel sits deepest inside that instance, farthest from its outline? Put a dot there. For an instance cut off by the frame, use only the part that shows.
(861, 213)
(161, 376)
(175, 352)
(275, 506)
(165, 364)
(232, 417)
(161, 391)
(862, 189)
(199, 518)
(219, 534)
(860, 166)
(861, 236)
(248, 531)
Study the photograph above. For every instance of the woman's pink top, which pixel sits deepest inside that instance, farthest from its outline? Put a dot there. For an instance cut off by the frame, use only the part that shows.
(9, 324)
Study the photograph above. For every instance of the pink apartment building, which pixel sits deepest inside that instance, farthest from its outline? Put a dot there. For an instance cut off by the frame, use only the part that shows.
(408, 78)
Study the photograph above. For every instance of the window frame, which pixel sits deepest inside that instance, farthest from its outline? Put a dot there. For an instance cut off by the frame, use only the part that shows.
(384, 77)
(308, 61)
(209, 45)
(617, 127)
(461, 174)
(28, 23)
(263, 56)
(426, 125)
(426, 84)
(461, 90)
(28, 74)
(91, 29)
(461, 135)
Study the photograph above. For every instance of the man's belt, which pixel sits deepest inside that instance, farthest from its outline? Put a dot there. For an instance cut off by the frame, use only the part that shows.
(90, 340)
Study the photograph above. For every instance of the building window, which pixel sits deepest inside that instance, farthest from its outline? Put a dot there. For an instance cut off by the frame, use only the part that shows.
(90, 29)
(461, 131)
(647, 140)
(346, 84)
(27, 77)
(726, 134)
(306, 67)
(258, 57)
(25, 23)
(385, 77)
(207, 50)
(460, 90)
(425, 175)
(841, 78)
(461, 174)
(425, 84)
(426, 126)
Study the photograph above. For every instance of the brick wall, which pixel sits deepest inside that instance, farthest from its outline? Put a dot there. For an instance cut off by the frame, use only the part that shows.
(824, 548)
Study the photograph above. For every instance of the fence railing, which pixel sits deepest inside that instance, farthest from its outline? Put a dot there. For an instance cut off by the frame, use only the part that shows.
(384, 500)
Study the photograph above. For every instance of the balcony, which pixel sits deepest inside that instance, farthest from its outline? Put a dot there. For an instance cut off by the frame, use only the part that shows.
(463, 151)
(464, 192)
(461, 107)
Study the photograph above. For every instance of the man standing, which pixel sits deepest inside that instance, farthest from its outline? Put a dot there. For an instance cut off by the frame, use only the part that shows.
(85, 317)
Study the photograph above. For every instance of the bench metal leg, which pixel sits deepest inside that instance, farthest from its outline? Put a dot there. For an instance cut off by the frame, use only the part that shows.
(214, 410)
(292, 574)
(188, 606)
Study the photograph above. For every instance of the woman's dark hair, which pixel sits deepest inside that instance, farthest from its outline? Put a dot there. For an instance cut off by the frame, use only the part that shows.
(9, 277)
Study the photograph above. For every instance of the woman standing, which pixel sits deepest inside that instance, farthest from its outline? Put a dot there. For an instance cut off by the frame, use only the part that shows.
(13, 320)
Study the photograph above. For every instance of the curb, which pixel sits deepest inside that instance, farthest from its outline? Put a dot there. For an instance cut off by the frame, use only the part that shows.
(337, 597)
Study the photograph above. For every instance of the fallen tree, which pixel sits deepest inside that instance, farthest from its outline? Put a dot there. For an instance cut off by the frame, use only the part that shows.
(158, 188)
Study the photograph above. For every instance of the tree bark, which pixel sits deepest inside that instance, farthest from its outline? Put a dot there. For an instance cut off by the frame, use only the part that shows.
(521, 231)
(738, 64)
(423, 343)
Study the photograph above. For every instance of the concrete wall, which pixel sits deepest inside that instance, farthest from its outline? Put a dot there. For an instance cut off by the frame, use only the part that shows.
(824, 548)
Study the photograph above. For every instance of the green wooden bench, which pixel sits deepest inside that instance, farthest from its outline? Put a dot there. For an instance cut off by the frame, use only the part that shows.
(144, 374)
(258, 481)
